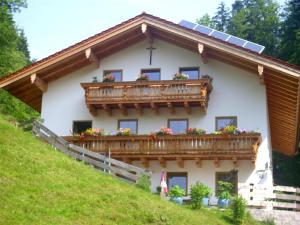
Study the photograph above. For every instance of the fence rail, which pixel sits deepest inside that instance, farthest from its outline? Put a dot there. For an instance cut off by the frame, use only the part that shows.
(114, 167)
(276, 197)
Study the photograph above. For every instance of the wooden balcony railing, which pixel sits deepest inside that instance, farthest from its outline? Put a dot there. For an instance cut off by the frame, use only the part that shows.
(151, 94)
(207, 146)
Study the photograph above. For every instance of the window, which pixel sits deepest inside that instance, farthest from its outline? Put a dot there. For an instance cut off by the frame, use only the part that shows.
(178, 126)
(131, 124)
(231, 177)
(81, 126)
(177, 178)
(116, 73)
(192, 72)
(154, 74)
(222, 122)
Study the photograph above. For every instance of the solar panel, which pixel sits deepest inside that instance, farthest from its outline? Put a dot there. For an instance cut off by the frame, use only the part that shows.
(254, 47)
(223, 36)
(220, 35)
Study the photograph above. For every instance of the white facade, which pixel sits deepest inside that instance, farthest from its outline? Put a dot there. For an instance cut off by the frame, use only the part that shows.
(235, 93)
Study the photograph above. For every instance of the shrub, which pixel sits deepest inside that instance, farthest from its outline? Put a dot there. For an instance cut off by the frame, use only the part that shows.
(144, 183)
(238, 210)
(198, 192)
(224, 190)
(269, 221)
(176, 191)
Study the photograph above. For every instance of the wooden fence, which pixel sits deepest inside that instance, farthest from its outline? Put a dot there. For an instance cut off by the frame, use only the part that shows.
(114, 167)
(276, 197)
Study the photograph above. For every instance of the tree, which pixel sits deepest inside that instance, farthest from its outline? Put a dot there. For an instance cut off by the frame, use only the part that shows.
(290, 33)
(256, 21)
(221, 19)
(205, 20)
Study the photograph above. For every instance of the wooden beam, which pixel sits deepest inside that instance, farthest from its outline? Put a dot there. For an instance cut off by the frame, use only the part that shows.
(107, 109)
(187, 108)
(202, 52)
(171, 108)
(260, 70)
(138, 108)
(154, 107)
(235, 162)
(162, 162)
(126, 160)
(146, 31)
(145, 162)
(217, 162)
(90, 55)
(38, 82)
(198, 162)
(123, 109)
(92, 110)
(180, 162)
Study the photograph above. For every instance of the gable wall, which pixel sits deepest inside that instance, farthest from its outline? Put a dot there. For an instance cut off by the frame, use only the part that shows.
(235, 93)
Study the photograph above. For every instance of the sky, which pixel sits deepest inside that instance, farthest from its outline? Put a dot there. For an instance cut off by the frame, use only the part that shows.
(52, 25)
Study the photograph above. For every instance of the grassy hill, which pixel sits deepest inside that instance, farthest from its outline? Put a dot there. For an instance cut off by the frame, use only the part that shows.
(39, 185)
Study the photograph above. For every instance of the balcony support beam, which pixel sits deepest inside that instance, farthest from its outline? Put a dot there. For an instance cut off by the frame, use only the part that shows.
(235, 162)
(198, 162)
(187, 108)
(171, 108)
(217, 162)
(92, 110)
(123, 109)
(162, 162)
(154, 107)
(180, 162)
(145, 162)
(138, 109)
(107, 109)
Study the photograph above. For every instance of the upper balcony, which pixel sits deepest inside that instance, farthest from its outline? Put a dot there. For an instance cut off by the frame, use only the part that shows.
(147, 94)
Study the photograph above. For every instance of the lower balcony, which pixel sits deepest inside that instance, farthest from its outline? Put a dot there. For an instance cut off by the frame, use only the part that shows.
(174, 147)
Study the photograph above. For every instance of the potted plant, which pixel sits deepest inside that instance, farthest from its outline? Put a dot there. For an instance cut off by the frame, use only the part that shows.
(164, 131)
(108, 78)
(180, 76)
(93, 132)
(200, 194)
(195, 131)
(176, 193)
(224, 193)
(143, 77)
(123, 132)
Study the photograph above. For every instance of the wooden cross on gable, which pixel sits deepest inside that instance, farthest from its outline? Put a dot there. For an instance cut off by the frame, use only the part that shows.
(151, 48)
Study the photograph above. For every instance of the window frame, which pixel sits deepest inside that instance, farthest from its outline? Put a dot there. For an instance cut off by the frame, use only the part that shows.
(74, 121)
(149, 69)
(128, 120)
(111, 71)
(190, 68)
(235, 187)
(178, 174)
(235, 118)
(179, 119)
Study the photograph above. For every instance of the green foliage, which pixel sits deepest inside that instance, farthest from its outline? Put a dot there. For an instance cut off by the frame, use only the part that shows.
(176, 191)
(268, 221)
(238, 210)
(205, 20)
(144, 183)
(221, 18)
(198, 192)
(224, 190)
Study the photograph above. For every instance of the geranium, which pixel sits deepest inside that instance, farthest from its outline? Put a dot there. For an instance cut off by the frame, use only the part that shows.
(231, 129)
(195, 131)
(164, 131)
(93, 132)
(142, 77)
(108, 78)
(123, 132)
(180, 76)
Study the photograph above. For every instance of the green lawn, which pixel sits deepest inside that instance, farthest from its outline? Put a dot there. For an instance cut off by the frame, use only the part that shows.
(39, 185)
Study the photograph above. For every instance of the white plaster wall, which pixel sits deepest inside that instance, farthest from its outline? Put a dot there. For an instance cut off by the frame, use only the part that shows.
(235, 93)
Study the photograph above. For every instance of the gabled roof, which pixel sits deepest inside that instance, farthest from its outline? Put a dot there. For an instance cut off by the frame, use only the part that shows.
(281, 78)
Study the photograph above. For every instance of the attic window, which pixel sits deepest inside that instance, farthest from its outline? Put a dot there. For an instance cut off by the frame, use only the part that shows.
(116, 73)
(153, 74)
(193, 72)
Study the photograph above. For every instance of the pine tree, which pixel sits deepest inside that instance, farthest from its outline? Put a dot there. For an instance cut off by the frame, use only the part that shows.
(205, 20)
(221, 19)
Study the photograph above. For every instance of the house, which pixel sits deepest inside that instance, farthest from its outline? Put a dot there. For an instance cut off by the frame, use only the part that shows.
(230, 83)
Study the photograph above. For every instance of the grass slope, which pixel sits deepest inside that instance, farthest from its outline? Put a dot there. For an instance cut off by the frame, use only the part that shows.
(39, 185)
